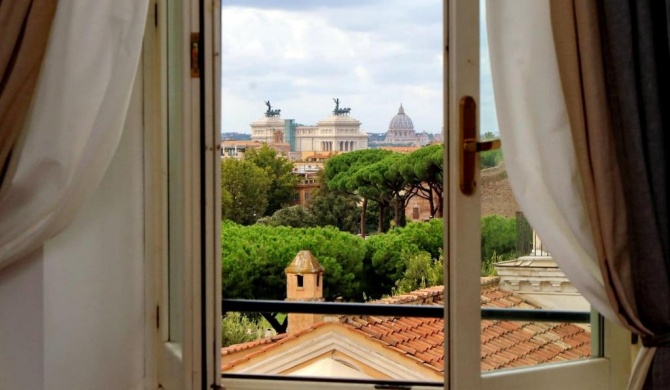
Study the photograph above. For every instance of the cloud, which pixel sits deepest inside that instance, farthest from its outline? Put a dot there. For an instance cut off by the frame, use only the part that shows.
(300, 54)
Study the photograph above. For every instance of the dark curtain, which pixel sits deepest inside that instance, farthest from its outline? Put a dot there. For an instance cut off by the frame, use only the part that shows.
(24, 31)
(635, 41)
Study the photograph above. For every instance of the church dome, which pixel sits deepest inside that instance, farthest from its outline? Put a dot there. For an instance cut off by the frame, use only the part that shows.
(401, 121)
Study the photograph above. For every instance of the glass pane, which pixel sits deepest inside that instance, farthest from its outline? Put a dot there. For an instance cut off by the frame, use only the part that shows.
(517, 271)
(342, 99)
(175, 85)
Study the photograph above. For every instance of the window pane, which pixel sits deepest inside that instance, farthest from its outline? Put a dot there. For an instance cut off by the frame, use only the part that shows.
(312, 83)
(517, 271)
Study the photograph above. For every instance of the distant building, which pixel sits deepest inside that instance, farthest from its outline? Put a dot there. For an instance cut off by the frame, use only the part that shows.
(308, 182)
(237, 149)
(401, 131)
(336, 133)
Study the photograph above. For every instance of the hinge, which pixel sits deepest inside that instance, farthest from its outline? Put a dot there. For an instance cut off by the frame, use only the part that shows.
(156, 14)
(195, 55)
(158, 317)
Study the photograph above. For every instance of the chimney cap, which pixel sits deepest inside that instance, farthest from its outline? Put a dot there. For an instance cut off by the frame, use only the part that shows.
(304, 263)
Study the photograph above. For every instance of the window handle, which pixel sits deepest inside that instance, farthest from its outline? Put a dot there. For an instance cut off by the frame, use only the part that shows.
(469, 144)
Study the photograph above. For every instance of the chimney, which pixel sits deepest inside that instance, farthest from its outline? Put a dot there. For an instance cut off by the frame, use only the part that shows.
(304, 282)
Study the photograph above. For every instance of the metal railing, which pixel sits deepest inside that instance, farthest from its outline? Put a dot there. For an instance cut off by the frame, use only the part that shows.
(384, 310)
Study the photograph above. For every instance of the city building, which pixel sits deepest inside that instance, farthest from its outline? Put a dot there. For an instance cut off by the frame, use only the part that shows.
(308, 182)
(237, 149)
(336, 133)
(401, 131)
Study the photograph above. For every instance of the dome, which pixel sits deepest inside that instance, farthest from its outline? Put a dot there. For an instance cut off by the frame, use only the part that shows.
(401, 121)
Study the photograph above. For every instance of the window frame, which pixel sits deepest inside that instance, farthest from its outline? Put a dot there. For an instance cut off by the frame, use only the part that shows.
(192, 362)
(199, 367)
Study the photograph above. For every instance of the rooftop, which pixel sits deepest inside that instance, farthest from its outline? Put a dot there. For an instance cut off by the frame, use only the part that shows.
(505, 344)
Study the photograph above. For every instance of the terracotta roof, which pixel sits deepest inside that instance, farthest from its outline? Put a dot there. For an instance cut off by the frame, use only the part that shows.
(505, 344)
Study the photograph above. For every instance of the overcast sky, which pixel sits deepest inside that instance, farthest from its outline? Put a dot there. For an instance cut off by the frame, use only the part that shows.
(371, 54)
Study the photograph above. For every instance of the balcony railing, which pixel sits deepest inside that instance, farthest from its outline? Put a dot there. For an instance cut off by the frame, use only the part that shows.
(425, 311)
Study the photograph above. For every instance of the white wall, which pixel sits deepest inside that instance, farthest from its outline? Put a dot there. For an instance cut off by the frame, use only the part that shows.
(72, 316)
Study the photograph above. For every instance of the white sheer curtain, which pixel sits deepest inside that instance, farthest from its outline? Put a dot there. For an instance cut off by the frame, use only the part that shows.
(75, 121)
(537, 141)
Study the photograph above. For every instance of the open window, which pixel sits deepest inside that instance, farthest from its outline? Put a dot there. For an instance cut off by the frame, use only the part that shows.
(185, 243)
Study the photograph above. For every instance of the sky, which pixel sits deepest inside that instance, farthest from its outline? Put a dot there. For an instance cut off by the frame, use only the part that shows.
(371, 54)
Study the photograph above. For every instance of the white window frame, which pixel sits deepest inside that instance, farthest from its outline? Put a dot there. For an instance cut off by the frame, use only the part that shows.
(193, 362)
(183, 367)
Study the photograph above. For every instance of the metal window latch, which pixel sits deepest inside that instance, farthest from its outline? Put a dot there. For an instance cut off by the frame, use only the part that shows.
(469, 146)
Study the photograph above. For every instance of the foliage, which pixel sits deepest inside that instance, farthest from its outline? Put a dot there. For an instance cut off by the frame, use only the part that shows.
(491, 158)
(422, 169)
(384, 264)
(279, 171)
(421, 271)
(498, 238)
(342, 175)
(244, 191)
(294, 216)
(386, 185)
(326, 208)
(237, 328)
(488, 265)
(332, 208)
(254, 259)
(226, 203)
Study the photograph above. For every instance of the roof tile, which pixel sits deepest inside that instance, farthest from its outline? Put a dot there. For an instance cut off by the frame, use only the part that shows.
(504, 344)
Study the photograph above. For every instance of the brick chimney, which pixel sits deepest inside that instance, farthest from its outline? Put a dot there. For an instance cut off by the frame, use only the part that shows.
(304, 282)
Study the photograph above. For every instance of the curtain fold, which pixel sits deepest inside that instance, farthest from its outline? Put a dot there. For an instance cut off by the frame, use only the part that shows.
(576, 35)
(608, 75)
(537, 142)
(637, 59)
(24, 28)
(76, 119)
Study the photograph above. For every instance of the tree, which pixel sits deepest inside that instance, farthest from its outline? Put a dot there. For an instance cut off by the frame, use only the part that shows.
(388, 185)
(498, 238)
(325, 208)
(332, 208)
(254, 258)
(244, 191)
(226, 203)
(341, 175)
(279, 170)
(421, 271)
(384, 264)
(422, 169)
(295, 216)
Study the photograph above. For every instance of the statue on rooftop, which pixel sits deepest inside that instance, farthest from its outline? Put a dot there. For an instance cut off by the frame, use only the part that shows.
(338, 110)
(270, 112)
